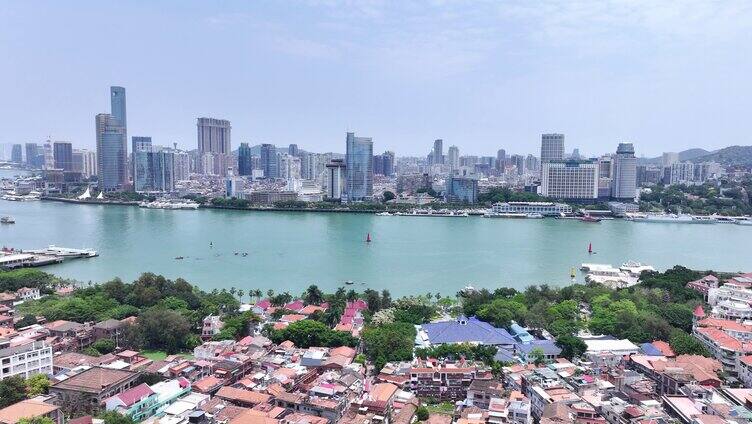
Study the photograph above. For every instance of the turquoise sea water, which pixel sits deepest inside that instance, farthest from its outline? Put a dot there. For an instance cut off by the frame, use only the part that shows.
(290, 250)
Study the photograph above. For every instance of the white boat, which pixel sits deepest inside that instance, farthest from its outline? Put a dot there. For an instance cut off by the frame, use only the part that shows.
(672, 218)
(165, 204)
(384, 214)
(743, 222)
(635, 268)
(504, 215)
(534, 216)
(7, 220)
(64, 252)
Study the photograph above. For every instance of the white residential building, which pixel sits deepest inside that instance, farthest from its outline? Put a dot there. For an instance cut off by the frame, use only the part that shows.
(26, 360)
(731, 301)
(570, 180)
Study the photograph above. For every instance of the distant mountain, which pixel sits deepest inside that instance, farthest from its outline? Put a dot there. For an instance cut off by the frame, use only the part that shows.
(729, 156)
(685, 155)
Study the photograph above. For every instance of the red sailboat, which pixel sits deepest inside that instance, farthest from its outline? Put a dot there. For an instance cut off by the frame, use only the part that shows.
(368, 238)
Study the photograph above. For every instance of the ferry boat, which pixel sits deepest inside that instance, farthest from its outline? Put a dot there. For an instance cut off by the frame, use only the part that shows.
(589, 218)
(64, 252)
(672, 218)
(743, 222)
(13, 197)
(635, 268)
(7, 220)
(430, 212)
(166, 204)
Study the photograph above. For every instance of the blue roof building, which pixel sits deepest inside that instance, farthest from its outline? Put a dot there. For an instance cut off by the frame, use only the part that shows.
(519, 333)
(465, 330)
(650, 350)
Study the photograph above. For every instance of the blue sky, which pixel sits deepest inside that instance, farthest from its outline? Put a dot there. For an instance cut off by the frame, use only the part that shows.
(482, 75)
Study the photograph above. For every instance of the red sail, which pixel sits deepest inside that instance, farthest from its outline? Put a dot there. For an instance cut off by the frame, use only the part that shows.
(368, 238)
(590, 248)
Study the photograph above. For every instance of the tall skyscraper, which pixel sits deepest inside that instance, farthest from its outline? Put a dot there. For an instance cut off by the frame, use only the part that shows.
(388, 164)
(336, 176)
(359, 162)
(501, 159)
(33, 157)
(85, 162)
(111, 153)
(669, 158)
(117, 107)
(531, 163)
(138, 143)
(214, 135)
(552, 147)
(438, 151)
(269, 161)
(154, 170)
(16, 154)
(244, 160)
(519, 163)
(63, 153)
(625, 173)
(573, 180)
(112, 143)
(292, 150)
(453, 157)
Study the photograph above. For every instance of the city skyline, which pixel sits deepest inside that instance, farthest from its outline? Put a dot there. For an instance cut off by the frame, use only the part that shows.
(481, 78)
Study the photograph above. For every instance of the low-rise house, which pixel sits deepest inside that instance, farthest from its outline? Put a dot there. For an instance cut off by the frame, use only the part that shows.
(445, 381)
(607, 351)
(704, 284)
(137, 402)
(242, 397)
(673, 374)
(85, 392)
(212, 325)
(109, 329)
(481, 391)
(37, 407)
(67, 361)
(28, 293)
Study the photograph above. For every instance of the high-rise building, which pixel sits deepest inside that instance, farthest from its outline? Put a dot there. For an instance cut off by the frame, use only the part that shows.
(378, 164)
(501, 159)
(245, 165)
(625, 173)
(453, 157)
(49, 155)
(359, 162)
(269, 161)
(531, 163)
(461, 189)
(117, 107)
(388, 158)
(181, 164)
(575, 180)
(606, 166)
(438, 152)
(85, 162)
(214, 136)
(34, 158)
(552, 147)
(138, 143)
(519, 163)
(63, 154)
(669, 158)
(292, 150)
(16, 154)
(154, 169)
(336, 176)
(289, 167)
(111, 153)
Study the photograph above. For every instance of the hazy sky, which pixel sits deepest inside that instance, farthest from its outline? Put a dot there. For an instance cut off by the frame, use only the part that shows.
(481, 74)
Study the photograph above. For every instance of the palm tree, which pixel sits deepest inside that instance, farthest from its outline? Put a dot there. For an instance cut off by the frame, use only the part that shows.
(257, 293)
(241, 292)
(233, 290)
(270, 293)
(352, 296)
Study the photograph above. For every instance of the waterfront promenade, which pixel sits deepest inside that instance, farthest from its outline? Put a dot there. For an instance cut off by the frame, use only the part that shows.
(288, 251)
